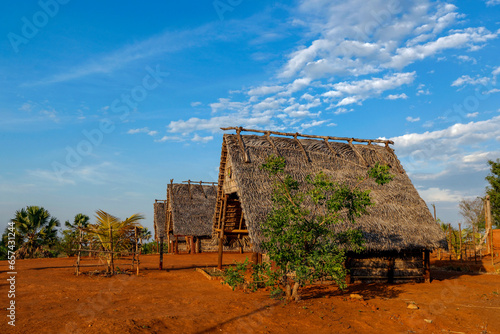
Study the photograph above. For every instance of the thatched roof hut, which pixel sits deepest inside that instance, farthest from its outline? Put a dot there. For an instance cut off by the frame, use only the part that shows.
(160, 218)
(190, 208)
(398, 222)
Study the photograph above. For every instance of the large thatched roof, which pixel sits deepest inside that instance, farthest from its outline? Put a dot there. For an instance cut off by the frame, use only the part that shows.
(192, 206)
(399, 219)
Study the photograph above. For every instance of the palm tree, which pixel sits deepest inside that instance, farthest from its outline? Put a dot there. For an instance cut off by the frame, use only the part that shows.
(146, 234)
(121, 229)
(81, 221)
(35, 228)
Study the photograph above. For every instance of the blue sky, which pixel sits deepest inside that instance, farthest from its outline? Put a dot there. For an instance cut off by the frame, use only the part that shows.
(104, 102)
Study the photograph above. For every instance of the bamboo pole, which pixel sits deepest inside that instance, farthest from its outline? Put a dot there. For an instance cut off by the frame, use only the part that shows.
(161, 253)
(460, 236)
(112, 265)
(136, 250)
(221, 233)
(79, 252)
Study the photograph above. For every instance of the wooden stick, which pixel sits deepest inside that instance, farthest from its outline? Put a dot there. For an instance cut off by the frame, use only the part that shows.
(79, 252)
(239, 129)
(268, 138)
(302, 149)
(427, 266)
(111, 253)
(460, 236)
(242, 145)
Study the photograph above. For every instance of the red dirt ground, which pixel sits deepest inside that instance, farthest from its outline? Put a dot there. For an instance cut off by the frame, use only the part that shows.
(51, 299)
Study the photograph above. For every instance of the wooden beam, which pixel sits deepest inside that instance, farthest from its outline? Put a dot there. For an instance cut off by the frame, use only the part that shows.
(427, 266)
(242, 145)
(381, 141)
(203, 190)
(360, 157)
(301, 147)
(268, 138)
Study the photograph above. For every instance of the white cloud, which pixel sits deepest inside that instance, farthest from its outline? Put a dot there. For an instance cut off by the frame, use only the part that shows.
(397, 96)
(492, 2)
(496, 71)
(411, 119)
(472, 114)
(440, 195)
(200, 139)
(265, 90)
(363, 89)
(467, 80)
(169, 138)
(196, 104)
(225, 104)
(342, 111)
(142, 130)
(467, 59)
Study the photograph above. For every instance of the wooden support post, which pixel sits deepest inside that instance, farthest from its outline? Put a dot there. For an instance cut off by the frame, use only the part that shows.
(347, 265)
(427, 266)
(176, 244)
(79, 252)
(221, 233)
(390, 269)
(489, 223)
(256, 258)
(198, 245)
(221, 250)
(112, 265)
(161, 253)
(449, 240)
(191, 240)
(460, 238)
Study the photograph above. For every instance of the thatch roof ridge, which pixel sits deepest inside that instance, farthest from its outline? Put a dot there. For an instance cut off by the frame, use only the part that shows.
(192, 208)
(399, 220)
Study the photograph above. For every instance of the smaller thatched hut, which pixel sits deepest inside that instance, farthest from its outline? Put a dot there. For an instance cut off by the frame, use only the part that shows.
(187, 213)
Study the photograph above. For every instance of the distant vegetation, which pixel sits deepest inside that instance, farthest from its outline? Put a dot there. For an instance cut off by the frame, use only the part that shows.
(33, 233)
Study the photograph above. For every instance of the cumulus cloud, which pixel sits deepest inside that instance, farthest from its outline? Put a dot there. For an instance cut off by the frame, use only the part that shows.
(200, 139)
(397, 96)
(358, 91)
(411, 119)
(142, 130)
(467, 80)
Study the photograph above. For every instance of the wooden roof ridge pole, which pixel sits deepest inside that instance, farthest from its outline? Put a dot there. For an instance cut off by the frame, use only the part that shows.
(381, 141)
(268, 137)
(201, 182)
(242, 145)
(301, 147)
(360, 157)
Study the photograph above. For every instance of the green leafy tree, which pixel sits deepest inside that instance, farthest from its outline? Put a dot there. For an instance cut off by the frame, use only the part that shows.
(494, 191)
(299, 233)
(34, 228)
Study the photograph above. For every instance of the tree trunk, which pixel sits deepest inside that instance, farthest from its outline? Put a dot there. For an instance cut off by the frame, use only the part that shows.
(295, 292)
(288, 292)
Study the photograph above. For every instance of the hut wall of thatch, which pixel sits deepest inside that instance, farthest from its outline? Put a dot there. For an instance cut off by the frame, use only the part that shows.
(399, 222)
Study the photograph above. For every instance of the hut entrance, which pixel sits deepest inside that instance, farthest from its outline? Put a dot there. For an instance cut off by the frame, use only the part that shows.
(231, 226)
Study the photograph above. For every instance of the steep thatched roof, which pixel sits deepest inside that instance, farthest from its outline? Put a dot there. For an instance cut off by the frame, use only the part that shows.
(192, 208)
(160, 210)
(399, 219)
